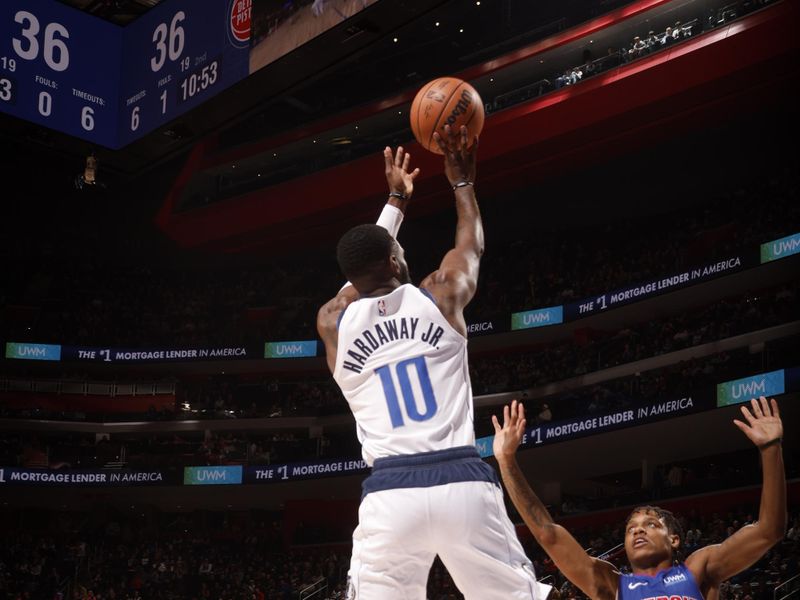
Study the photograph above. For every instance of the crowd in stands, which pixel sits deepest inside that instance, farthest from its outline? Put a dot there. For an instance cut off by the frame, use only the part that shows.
(85, 300)
(593, 351)
(223, 397)
(689, 378)
(109, 555)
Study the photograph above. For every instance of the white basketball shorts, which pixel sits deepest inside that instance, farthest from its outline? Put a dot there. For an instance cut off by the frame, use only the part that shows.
(447, 503)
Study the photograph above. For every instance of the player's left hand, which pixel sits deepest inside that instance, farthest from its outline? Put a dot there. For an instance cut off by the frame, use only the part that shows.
(508, 437)
(396, 169)
(763, 421)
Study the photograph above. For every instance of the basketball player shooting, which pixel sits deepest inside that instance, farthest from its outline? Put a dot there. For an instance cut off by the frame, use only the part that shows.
(652, 534)
(399, 355)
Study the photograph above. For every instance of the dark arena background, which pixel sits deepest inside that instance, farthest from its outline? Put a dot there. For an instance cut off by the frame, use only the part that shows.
(170, 210)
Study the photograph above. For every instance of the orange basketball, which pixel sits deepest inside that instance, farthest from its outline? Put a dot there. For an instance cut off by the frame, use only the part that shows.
(445, 101)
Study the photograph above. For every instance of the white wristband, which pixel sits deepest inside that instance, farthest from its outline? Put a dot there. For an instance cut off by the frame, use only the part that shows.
(390, 219)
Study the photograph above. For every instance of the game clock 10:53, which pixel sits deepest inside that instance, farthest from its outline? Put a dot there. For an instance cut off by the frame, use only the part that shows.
(199, 80)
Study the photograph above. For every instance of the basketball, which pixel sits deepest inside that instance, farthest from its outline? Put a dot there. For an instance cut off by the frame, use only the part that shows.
(445, 101)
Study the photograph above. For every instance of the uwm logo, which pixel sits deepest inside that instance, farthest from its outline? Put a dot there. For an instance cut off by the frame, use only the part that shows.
(212, 475)
(742, 390)
(32, 351)
(749, 389)
(673, 579)
(289, 349)
(784, 247)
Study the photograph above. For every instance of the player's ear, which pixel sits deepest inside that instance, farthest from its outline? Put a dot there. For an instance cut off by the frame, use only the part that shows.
(394, 264)
(675, 541)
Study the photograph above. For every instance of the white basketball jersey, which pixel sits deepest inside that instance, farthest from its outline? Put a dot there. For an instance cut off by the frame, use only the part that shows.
(403, 370)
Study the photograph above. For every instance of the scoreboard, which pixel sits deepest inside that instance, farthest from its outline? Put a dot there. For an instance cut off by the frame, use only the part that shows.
(72, 72)
(177, 58)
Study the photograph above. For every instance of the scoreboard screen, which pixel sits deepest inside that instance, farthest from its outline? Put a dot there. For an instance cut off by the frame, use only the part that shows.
(75, 73)
(60, 68)
(176, 57)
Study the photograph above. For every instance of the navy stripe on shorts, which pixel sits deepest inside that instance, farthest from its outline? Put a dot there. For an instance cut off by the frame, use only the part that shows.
(428, 469)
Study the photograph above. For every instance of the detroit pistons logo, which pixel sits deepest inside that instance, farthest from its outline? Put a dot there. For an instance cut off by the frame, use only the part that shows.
(239, 12)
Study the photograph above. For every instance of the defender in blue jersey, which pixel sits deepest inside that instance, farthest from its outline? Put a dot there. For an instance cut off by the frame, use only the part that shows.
(652, 534)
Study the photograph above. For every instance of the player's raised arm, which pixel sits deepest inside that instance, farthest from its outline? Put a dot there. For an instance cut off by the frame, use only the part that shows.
(453, 284)
(713, 564)
(401, 187)
(597, 579)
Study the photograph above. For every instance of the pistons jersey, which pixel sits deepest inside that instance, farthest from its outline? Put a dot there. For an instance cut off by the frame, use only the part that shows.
(676, 583)
(403, 370)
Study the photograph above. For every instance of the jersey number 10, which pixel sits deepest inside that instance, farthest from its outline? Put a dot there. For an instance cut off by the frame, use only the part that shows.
(389, 390)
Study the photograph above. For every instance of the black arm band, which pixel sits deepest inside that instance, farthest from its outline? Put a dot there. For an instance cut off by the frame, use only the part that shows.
(770, 443)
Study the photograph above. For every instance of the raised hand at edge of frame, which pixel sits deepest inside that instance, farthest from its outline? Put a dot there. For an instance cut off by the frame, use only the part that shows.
(508, 437)
(764, 426)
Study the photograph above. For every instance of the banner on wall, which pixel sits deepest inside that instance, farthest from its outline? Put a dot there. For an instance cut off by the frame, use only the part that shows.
(85, 477)
(780, 248)
(747, 388)
(278, 473)
(26, 351)
(290, 349)
(655, 287)
(540, 317)
(227, 475)
(559, 431)
(155, 355)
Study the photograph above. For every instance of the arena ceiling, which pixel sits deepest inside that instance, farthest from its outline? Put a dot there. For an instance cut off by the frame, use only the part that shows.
(358, 62)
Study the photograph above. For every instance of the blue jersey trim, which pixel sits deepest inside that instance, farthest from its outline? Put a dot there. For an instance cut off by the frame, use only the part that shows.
(339, 318)
(428, 294)
(674, 581)
(428, 469)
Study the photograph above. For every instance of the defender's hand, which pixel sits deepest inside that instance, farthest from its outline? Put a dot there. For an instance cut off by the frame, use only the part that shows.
(508, 437)
(764, 425)
(459, 157)
(396, 170)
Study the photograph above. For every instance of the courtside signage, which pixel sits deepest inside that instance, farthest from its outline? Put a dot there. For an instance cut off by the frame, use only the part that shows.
(747, 388)
(777, 249)
(212, 475)
(290, 349)
(24, 351)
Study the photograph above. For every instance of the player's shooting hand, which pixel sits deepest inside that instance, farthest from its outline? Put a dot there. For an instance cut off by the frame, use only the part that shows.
(764, 424)
(396, 169)
(459, 157)
(508, 437)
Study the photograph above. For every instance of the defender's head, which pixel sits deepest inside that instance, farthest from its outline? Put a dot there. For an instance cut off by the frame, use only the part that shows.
(652, 536)
(369, 257)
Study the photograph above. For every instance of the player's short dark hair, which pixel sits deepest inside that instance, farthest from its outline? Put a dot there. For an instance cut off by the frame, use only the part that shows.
(362, 249)
(670, 520)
